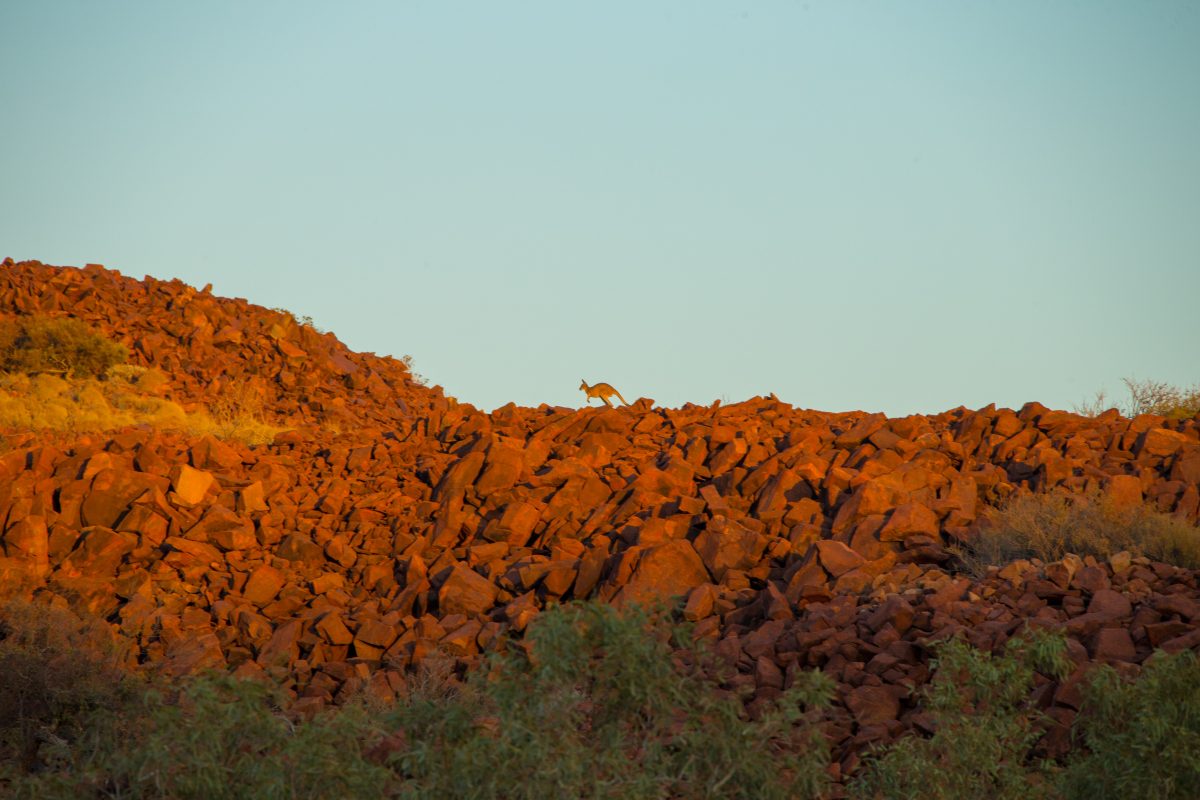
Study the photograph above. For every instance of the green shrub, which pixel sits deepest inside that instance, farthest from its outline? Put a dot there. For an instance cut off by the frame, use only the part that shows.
(59, 345)
(984, 728)
(595, 706)
(1142, 737)
(1048, 526)
(55, 671)
(226, 738)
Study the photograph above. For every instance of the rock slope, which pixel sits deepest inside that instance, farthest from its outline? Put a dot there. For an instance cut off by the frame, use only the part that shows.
(334, 562)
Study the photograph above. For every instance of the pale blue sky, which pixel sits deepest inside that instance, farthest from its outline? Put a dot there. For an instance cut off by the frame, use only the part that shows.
(884, 206)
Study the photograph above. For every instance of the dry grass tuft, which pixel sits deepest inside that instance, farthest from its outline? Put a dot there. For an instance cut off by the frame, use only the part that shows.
(1049, 526)
(1147, 397)
(68, 405)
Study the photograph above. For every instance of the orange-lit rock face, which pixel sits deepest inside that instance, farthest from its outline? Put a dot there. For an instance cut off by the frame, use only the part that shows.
(793, 538)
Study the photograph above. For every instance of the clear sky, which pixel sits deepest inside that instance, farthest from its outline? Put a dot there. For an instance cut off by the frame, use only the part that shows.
(856, 205)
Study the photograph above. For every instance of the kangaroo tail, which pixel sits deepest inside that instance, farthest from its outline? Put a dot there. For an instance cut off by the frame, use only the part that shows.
(622, 399)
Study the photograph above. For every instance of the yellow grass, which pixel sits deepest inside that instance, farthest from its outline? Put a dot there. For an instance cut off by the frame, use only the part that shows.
(1048, 526)
(50, 402)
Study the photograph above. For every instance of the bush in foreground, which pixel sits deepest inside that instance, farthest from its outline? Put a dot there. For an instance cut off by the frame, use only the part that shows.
(1142, 737)
(985, 727)
(597, 706)
(593, 704)
(1049, 526)
(56, 671)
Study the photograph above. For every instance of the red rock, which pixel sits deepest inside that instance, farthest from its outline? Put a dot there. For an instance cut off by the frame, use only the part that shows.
(667, 570)
(29, 540)
(252, 498)
(334, 630)
(725, 545)
(1160, 442)
(1111, 604)
(1188, 641)
(515, 525)
(263, 584)
(1184, 606)
(191, 654)
(873, 705)
(872, 497)
(950, 592)
(502, 468)
(111, 494)
(1113, 644)
(1090, 579)
(376, 633)
(190, 485)
(700, 602)
(1124, 490)
(909, 519)
(896, 611)
(466, 592)
(223, 528)
(461, 475)
(210, 453)
(837, 558)
(101, 551)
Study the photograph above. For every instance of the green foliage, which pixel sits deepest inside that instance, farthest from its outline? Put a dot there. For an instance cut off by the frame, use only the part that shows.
(59, 345)
(597, 707)
(1048, 526)
(219, 739)
(1142, 736)
(984, 728)
(55, 671)
(594, 703)
(226, 738)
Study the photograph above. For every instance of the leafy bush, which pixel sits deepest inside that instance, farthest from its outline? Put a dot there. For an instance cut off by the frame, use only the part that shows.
(1048, 526)
(594, 704)
(225, 738)
(596, 707)
(55, 670)
(58, 345)
(1142, 736)
(984, 728)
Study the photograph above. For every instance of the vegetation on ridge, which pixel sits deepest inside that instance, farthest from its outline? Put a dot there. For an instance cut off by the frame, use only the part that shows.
(1051, 525)
(56, 345)
(58, 374)
(1147, 397)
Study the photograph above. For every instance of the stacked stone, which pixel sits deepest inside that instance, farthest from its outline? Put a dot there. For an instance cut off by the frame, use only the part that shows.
(793, 539)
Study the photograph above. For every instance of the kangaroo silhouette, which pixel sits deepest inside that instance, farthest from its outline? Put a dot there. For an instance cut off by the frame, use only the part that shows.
(601, 390)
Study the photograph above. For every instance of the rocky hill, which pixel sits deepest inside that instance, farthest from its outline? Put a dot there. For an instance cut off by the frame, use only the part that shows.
(338, 556)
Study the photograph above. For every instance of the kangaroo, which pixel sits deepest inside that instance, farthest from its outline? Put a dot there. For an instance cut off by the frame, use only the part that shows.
(601, 390)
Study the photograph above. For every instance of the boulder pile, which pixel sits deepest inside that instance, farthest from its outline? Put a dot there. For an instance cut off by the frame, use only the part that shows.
(333, 563)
